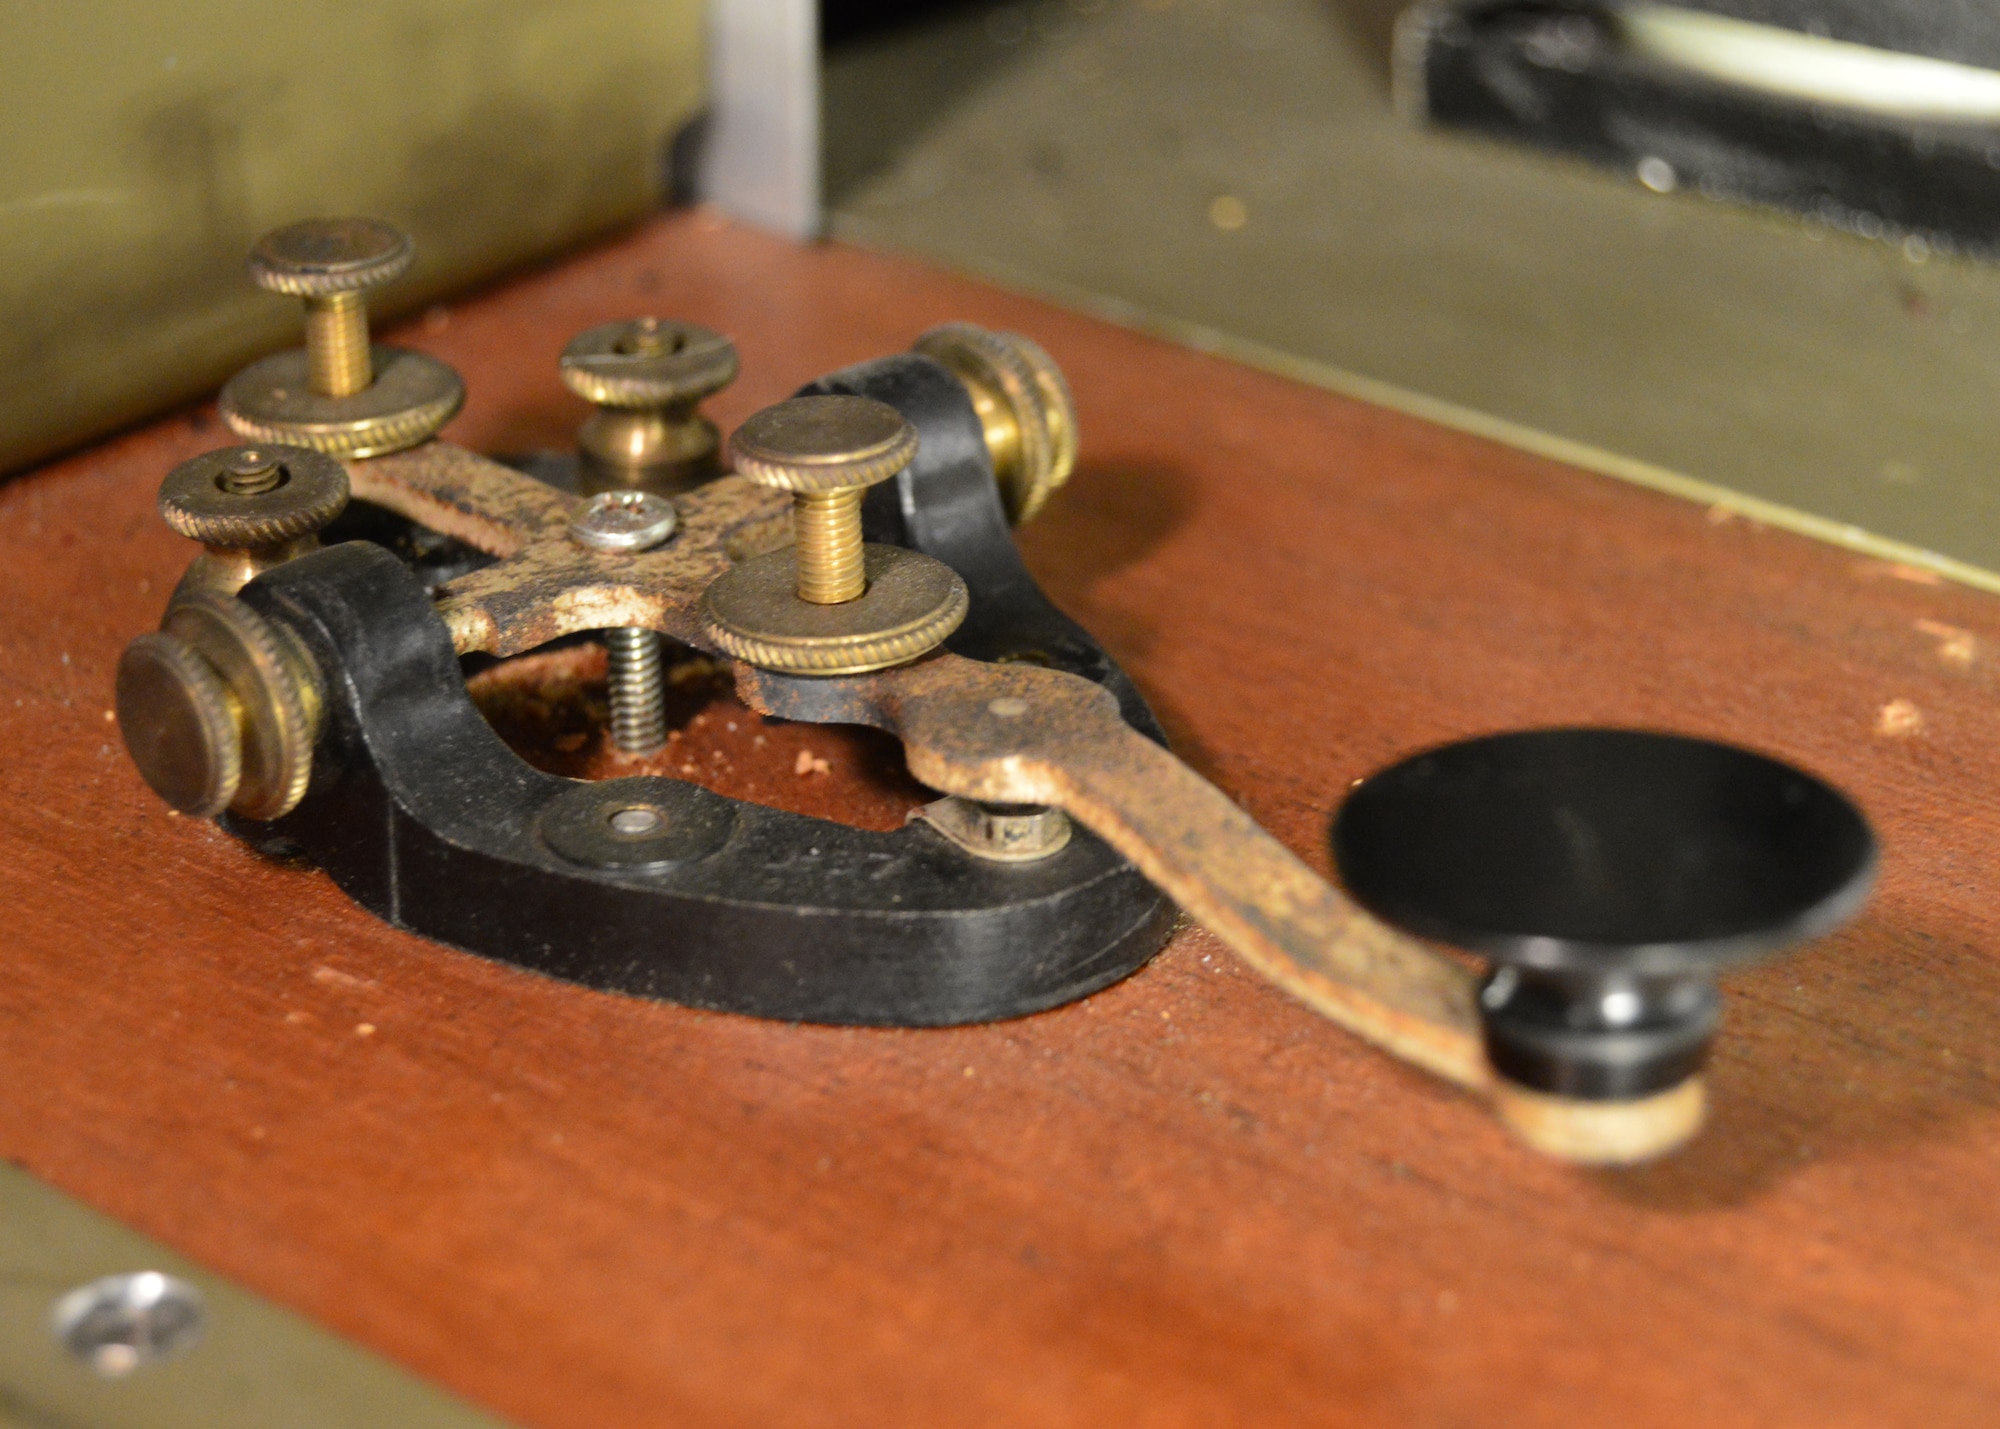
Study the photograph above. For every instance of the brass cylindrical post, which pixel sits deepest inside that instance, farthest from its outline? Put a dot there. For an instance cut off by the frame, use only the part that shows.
(252, 508)
(646, 377)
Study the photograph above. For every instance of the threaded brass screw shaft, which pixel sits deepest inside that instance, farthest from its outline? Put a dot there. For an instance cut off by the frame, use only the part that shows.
(827, 528)
(826, 451)
(327, 263)
(337, 359)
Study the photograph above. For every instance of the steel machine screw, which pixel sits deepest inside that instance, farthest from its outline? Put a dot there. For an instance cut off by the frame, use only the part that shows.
(338, 394)
(631, 521)
(646, 377)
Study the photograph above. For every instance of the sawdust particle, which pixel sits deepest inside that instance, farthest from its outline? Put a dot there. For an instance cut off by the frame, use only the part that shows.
(1899, 719)
(364, 1029)
(1956, 646)
(809, 763)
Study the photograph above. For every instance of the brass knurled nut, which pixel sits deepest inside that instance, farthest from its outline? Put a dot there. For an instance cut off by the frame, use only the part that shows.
(275, 692)
(823, 444)
(411, 397)
(210, 499)
(220, 709)
(179, 723)
(322, 256)
(1024, 406)
(648, 362)
(913, 602)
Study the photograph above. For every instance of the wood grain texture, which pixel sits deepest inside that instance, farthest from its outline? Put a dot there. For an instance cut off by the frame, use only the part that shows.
(1186, 1201)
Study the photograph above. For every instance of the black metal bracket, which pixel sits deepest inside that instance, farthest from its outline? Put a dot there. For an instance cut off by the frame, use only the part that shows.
(657, 888)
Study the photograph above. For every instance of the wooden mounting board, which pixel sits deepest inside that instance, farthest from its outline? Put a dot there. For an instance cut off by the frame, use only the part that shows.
(1184, 1202)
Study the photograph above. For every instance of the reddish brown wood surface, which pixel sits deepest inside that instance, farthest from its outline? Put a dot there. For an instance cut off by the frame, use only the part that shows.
(1184, 1202)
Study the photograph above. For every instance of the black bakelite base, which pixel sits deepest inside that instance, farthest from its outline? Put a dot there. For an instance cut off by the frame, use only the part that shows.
(662, 889)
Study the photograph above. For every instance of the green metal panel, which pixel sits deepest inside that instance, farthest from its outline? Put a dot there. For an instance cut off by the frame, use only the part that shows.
(144, 145)
(255, 1366)
(1230, 173)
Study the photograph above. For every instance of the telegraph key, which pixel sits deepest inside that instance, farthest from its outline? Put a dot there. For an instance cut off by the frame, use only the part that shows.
(306, 687)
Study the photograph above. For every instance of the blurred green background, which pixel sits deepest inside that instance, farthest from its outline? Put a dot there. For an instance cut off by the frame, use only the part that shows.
(144, 145)
(1231, 173)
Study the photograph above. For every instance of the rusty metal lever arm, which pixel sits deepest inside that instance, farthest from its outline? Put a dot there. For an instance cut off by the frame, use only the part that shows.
(1018, 734)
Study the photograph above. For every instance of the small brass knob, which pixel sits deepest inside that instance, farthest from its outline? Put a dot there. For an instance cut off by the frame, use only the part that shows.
(252, 507)
(826, 451)
(179, 724)
(646, 377)
(828, 604)
(1024, 406)
(338, 394)
(330, 262)
(219, 710)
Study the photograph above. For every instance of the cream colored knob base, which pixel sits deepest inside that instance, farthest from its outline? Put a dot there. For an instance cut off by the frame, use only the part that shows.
(1598, 1133)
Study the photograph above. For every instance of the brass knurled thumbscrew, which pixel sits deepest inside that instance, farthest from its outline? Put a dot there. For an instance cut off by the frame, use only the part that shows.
(830, 605)
(338, 394)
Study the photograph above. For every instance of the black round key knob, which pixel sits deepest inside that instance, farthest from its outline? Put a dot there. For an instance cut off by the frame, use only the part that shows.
(1608, 874)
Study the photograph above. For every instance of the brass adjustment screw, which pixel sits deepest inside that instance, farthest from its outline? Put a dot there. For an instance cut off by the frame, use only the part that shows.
(646, 377)
(252, 508)
(620, 522)
(828, 604)
(1025, 409)
(219, 709)
(338, 394)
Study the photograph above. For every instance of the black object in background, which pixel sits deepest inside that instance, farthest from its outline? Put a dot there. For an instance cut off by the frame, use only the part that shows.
(1576, 78)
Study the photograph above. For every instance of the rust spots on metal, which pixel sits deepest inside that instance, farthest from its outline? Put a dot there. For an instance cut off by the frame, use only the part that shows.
(545, 585)
(1019, 734)
(1003, 734)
